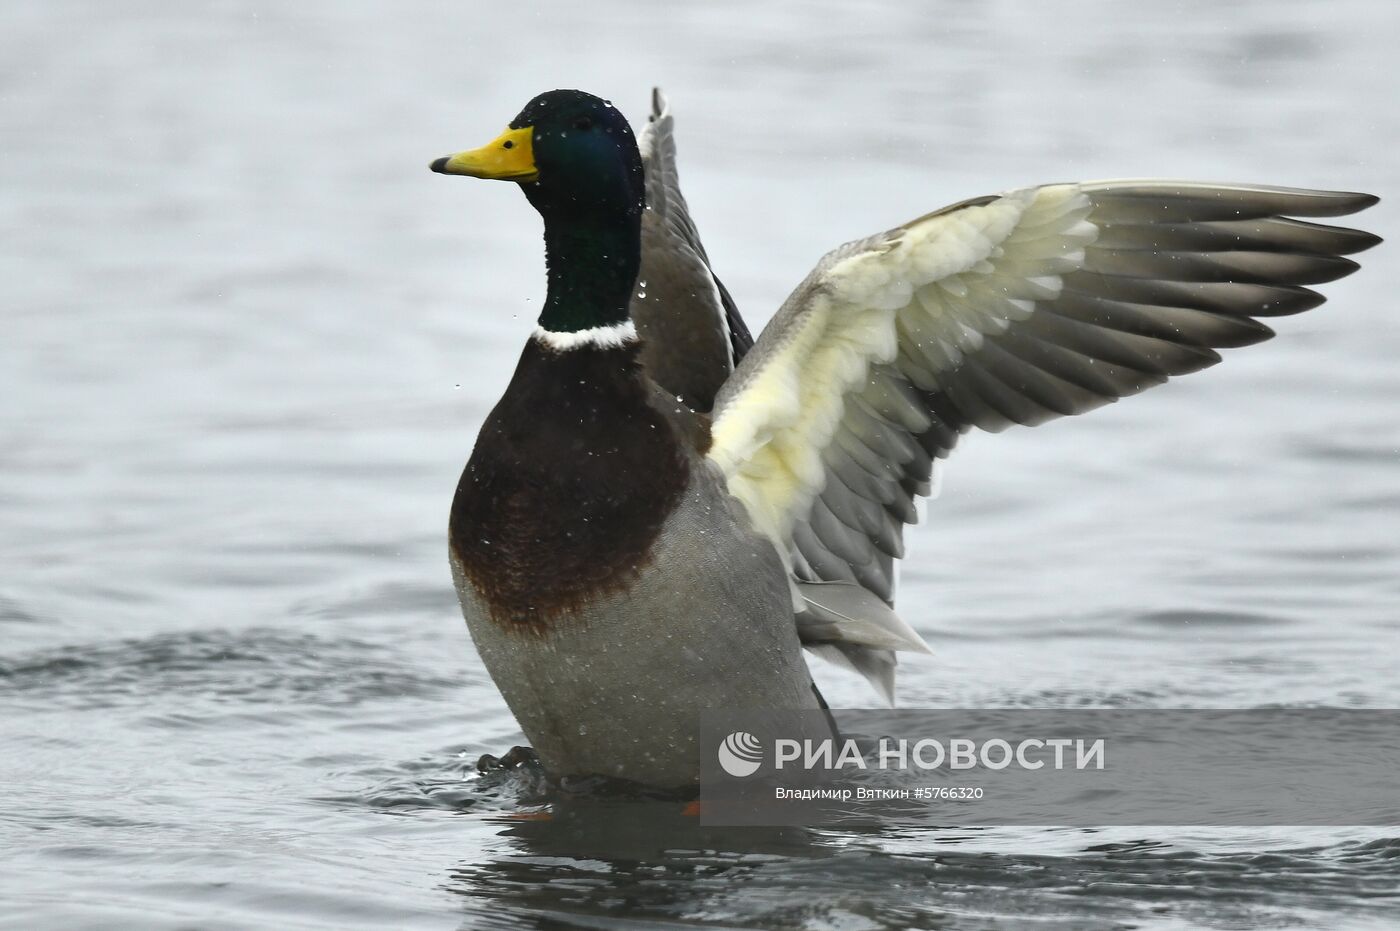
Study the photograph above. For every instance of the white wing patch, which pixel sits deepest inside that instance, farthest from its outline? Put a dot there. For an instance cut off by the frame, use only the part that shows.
(921, 297)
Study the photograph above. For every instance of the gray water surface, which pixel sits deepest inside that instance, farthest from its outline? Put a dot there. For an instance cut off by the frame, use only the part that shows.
(249, 339)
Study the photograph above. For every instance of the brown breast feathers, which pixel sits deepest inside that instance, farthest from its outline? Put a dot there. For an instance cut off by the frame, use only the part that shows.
(571, 480)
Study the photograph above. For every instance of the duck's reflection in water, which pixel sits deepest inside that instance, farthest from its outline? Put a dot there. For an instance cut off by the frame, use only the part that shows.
(635, 863)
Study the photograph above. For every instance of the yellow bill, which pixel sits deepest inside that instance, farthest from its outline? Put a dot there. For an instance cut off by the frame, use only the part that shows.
(508, 157)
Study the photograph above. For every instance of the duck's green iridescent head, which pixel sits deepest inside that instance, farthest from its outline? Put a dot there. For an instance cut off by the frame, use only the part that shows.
(572, 153)
(576, 159)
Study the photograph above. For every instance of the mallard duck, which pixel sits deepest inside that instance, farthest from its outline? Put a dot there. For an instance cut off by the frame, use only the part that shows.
(660, 513)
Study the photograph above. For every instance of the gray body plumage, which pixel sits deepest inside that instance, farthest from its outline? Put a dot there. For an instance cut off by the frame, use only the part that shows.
(616, 689)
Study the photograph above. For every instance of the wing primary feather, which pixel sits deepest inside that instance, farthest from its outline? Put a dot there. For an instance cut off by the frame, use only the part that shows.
(1254, 300)
(1171, 201)
(1182, 325)
(1248, 267)
(1272, 234)
(1080, 327)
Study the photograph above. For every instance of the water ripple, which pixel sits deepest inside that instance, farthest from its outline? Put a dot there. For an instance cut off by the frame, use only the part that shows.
(244, 668)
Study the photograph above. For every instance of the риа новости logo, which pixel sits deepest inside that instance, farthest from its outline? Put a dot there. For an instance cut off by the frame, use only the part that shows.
(740, 754)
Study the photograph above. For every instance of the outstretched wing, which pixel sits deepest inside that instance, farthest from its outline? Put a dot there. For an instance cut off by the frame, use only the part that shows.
(1010, 309)
(691, 330)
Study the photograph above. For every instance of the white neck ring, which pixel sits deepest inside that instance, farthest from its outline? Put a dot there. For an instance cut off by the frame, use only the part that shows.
(613, 336)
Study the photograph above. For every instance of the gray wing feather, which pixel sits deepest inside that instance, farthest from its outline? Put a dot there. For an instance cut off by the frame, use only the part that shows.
(1174, 273)
(691, 329)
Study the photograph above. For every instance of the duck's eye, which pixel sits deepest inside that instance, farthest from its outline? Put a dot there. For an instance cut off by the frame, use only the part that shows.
(583, 123)
(508, 144)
